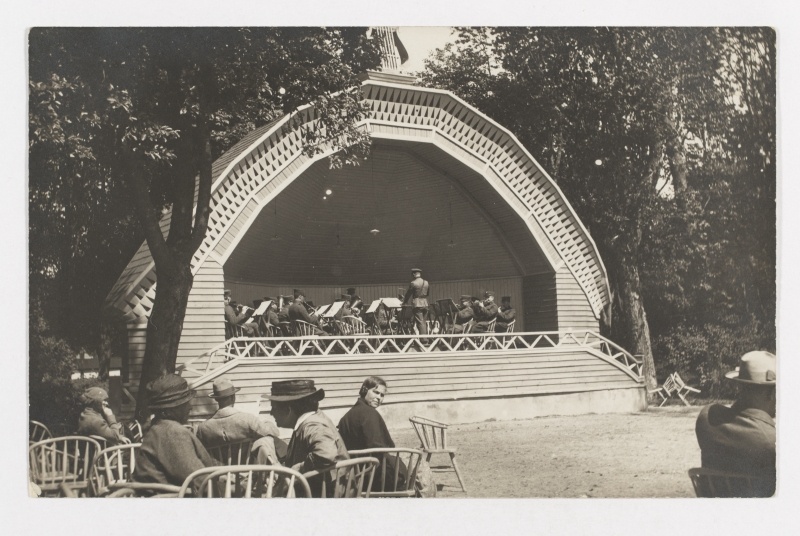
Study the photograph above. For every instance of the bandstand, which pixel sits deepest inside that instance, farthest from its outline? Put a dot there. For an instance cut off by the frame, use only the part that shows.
(448, 190)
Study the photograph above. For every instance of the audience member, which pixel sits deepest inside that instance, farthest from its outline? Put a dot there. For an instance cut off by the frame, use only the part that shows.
(98, 419)
(315, 443)
(229, 425)
(170, 452)
(741, 438)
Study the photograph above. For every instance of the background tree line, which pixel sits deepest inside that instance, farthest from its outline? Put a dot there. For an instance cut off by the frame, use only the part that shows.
(663, 139)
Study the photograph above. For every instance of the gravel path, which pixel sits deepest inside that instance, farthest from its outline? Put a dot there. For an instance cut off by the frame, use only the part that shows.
(643, 454)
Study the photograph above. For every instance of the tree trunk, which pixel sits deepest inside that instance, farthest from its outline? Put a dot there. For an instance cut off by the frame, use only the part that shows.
(164, 329)
(630, 329)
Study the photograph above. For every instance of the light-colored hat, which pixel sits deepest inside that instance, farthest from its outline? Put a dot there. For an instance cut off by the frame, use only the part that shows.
(756, 368)
(223, 387)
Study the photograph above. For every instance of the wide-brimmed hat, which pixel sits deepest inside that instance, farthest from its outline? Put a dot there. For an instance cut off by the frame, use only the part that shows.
(757, 368)
(93, 394)
(286, 391)
(222, 388)
(169, 391)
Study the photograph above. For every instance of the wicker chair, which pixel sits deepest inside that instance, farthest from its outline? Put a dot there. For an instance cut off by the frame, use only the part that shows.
(113, 465)
(246, 481)
(400, 465)
(62, 460)
(433, 436)
(351, 479)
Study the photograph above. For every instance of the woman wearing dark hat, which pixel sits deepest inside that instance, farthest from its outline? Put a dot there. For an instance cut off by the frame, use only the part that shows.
(315, 442)
(741, 438)
(169, 451)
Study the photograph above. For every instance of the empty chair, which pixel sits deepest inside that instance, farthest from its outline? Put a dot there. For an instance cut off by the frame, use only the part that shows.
(112, 465)
(722, 484)
(62, 460)
(245, 481)
(681, 388)
(666, 390)
(433, 436)
(396, 472)
(348, 479)
(234, 453)
(38, 432)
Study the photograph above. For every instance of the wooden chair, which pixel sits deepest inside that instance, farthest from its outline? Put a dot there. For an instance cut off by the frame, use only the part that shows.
(246, 481)
(351, 478)
(62, 460)
(303, 328)
(112, 465)
(712, 483)
(399, 464)
(286, 329)
(102, 441)
(233, 330)
(681, 388)
(133, 430)
(510, 326)
(358, 326)
(491, 326)
(142, 489)
(666, 390)
(233, 453)
(38, 432)
(433, 436)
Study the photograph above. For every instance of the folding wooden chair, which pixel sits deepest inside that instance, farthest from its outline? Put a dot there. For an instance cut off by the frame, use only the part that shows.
(142, 489)
(246, 481)
(397, 470)
(711, 483)
(38, 432)
(681, 388)
(350, 479)
(666, 390)
(433, 436)
(233, 453)
(112, 465)
(62, 460)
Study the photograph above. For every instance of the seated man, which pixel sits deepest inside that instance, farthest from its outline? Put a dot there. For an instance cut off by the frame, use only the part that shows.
(270, 317)
(354, 300)
(283, 308)
(233, 317)
(465, 314)
(362, 427)
(505, 315)
(297, 311)
(98, 419)
(170, 452)
(315, 442)
(229, 425)
(485, 312)
(741, 438)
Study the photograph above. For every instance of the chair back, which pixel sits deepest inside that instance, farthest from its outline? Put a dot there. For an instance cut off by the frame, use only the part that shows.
(432, 434)
(303, 328)
(669, 384)
(102, 441)
(350, 479)
(286, 329)
(112, 465)
(246, 481)
(38, 432)
(134, 431)
(233, 453)
(712, 483)
(396, 471)
(357, 326)
(510, 326)
(62, 460)
(491, 326)
(268, 330)
(142, 489)
(233, 330)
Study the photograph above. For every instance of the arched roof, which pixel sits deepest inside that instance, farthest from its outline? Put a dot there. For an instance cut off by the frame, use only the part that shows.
(257, 168)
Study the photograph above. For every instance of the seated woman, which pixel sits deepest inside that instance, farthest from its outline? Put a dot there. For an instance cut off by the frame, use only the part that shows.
(170, 452)
(362, 427)
(98, 419)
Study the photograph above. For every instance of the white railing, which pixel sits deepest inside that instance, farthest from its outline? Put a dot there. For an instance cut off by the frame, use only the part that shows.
(226, 355)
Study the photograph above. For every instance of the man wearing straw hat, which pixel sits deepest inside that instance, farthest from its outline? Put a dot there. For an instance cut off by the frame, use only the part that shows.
(170, 452)
(315, 443)
(741, 438)
(229, 425)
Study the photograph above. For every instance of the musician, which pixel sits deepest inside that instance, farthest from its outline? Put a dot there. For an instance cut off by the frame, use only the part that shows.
(283, 308)
(270, 317)
(417, 297)
(465, 314)
(505, 315)
(236, 317)
(485, 312)
(382, 319)
(355, 302)
(298, 311)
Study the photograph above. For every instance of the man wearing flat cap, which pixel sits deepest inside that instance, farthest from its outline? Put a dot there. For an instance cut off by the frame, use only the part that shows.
(170, 452)
(464, 315)
(229, 425)
(741, 438)
(505, 315)
(417, 297)
(297, 311)
(315, 443)
(238, 319)
(485, 312)
(98, 419)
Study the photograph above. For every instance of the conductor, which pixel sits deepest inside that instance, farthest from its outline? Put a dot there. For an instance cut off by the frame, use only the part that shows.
(417, 297)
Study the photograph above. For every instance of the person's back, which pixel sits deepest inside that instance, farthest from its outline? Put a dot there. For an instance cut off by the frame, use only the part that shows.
(97, 418)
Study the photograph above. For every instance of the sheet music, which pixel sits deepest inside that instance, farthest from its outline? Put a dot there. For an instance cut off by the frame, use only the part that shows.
(333, 309)
(374, 306)
(262, 308)
(322, 308)
(392, 302)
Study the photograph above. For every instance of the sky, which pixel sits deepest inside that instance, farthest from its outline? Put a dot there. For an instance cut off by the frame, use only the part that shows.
(421, 41)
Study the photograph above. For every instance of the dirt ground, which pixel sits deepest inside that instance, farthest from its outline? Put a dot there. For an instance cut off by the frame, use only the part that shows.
(616, 455)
